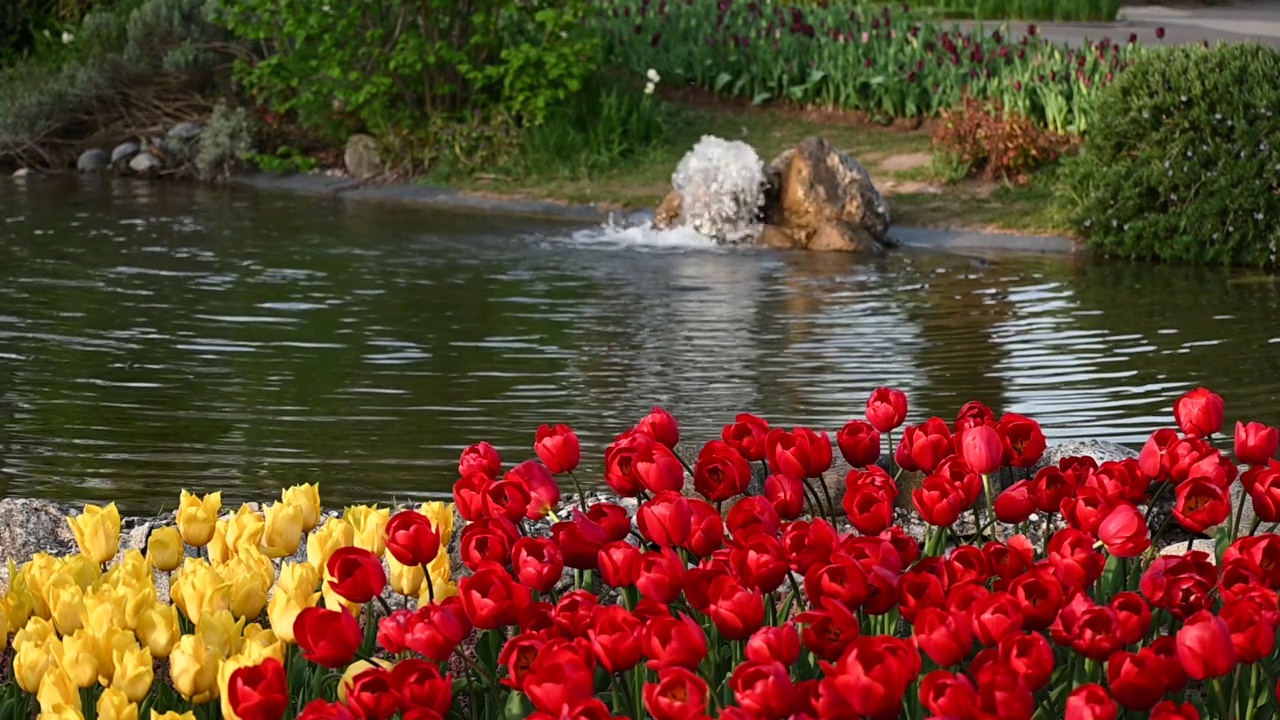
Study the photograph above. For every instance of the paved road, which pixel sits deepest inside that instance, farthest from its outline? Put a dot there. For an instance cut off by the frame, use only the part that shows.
(1254, 20)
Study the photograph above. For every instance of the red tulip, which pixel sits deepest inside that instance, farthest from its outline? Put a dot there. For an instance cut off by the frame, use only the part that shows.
(1133, 617)
(487, 541)
(747, 435)
(751, 516)
(372, 696)
(611, 518)
(1016, 503)
(657, 468)
(1169, 710)
(537, 563)
(544, 493)
(1040, 596)
(1005, 696)
(1023, 440)
(393, 631)
(775, 644)
(412, 539)
(944, 636)
(665, 520)
(1135, 679)
(259, 692)
(436, 629)
(480, 458)
(886, 409)
(558, 448)
(580, 541)
(619, 463)
(661, 575)
(468, 495)
(562, 674)
(491, 598)
(1180, 585)
(327, 637)
(758, 561)
(678, 695)
(736, 610)
(981, 448)
(1090, 702)
(721, 472)
(706, 529)
(946, 694)
(996, 616)
(918, 590)
(1256, 443)
(923, 447)
(808, 543)
(973, 414)
(508, 499)
(1050, 487)
(1204, 647)
(422, 686)
(1253, 630)
(1028, 655)
(615, 638)
(801, 453)
(518, 655)
(1201, 504)
(841, 579)
(871, 678)
(939, 501)
(828, 631)
(357, 574)
(786, 494)
(869, 509)
(1165, 649)
(859, 443)
(670, 642)
(321, 710)
(1124, 532)
(1154, 458)
(1199, 413)
(1263, 485)
(619, 564)
(661, 426)
(764, 689)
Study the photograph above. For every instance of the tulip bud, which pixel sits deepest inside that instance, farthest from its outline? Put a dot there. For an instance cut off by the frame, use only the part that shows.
(220, 632)
(405, 579)
(441, 516)
(133, 674)
(332, 535)
(282, 532)
(171, 715)
(306, 498)
(97, 532)
(56, 688)
(158, 629)
(164, 548)
(193, 667)
(196, 517)
(79, 660)
(113, 704)
(369, 524)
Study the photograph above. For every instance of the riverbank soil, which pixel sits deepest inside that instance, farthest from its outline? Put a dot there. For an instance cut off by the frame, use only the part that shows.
(898, 159)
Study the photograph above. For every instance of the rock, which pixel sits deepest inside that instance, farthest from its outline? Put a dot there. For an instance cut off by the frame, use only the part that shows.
(186, 131)
(667, 215)
(1100, 450)
(31, 526)
(24, 173)
(775, 237)
(124, 152)
(361, 157)
(825, 200)
(145, 163)
(93, 160)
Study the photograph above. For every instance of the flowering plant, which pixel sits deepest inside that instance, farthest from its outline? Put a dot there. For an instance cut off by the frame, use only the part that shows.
(1044, 598)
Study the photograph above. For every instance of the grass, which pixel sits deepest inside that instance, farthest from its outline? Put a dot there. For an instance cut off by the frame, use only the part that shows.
(895, 157)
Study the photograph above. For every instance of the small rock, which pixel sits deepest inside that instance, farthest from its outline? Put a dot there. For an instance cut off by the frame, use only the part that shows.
(668, 213)
(186, 131)
(31, 526)
(145, 163)
(1100, 450)
(94, 160)
(361, 157)
(124, 152)
(24, 173)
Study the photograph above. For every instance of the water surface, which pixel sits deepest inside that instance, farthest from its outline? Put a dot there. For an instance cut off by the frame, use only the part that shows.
(160, 337)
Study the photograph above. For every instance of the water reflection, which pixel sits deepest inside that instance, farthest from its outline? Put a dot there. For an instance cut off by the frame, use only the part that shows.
(155, 337)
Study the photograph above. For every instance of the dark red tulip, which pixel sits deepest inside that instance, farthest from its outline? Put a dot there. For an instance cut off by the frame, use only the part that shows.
(1133, 617)
(491, 598)
(981, 448)
(1040, 596)
(678, 695)
(801, 453)
(671, 642)
(1199, 413)
(1256, 443)
(557, 447)
(327, 637)
(859, 443)
(1124, 532)
(786, 494)
(1003, 695)
(259, 692)
(412, 539)
(721, 472)
(1135, 679)
(422, 686)
(886, 409)
(580, 541)
(1023, 439)
(665, 520)
(537, 563)
(1029, 656)
(480, 458)
(372, 696)
(357, 574)
(1090, 702)
(1201, 504)
(923, 447)
(1204, 647)
(747, 435)
(1160, 33)
(946, 694)
(944, 636)
(1169, 710)
(615, 638)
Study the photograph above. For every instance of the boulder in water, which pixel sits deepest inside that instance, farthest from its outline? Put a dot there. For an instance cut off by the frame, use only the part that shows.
(145, 164)
(124, 152)
(362, 158)
(824, 200)
(93, 160)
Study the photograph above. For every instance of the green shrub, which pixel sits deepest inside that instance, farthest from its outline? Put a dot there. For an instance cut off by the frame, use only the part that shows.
(1184, 161)
(226, 143)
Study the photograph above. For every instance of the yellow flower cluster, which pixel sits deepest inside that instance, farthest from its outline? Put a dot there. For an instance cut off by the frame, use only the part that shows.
(75, 623)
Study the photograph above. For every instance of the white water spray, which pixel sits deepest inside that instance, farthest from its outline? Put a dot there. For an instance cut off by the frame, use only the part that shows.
(721, 185)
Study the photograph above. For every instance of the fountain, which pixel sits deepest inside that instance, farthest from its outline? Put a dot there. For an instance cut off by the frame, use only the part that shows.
(721, 185)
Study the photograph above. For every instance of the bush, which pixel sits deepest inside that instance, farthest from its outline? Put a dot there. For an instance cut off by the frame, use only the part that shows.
(981, 138)
(1186, 165)
(226, 143)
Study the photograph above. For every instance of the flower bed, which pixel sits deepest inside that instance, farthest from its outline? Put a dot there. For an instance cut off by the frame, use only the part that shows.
(788, 605)
(852, 56)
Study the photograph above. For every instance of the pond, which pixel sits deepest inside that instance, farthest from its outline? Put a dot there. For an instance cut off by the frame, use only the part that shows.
(161, 337)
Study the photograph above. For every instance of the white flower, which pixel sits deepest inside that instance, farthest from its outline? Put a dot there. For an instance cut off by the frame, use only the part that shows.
(67, 38)
(649, 88)
(653, 76)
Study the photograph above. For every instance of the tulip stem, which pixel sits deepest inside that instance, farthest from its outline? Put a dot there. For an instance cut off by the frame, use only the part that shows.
(1235, 526)
(831, 506)
(889, 455)
(431, 587)
(1271, 529)
(795, 588)
(685, 464)
(1151, 504)
(482, 670)
(385, 607)
(582, 497)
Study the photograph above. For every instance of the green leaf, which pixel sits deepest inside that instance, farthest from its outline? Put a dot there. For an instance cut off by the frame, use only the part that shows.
(722, 79)
(518, 707)
(761, 98)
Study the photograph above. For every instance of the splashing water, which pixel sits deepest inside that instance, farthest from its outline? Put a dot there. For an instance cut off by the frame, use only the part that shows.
(721, 185)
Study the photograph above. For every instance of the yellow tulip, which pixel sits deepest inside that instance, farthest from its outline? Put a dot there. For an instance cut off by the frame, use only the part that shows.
(262, 643)
(158, 629)
(245, 529)
(79, 658)
(441, 516)
(220, 632)
(171, 715)
(332, 535)
(193, 667)
(137, 601)
(104, 609)
(35, 577)
(248, 592)
(66, 603)
(199, 589)
(165, 549)
(218, 548)
(442, 586)
(298, 580)
(283, 611)
(115, 705)
(97, 532)
(196, 517)
(405, 579)
(61, 712)
(307, 499)
(282, 533)
(82, 569)
(56, 688)
(36, 631)
(5, 629)
(133, 673)
(105, 647)
(229, 666)
(370, 524)
(19, 602)
(33, 661)
(349, 675)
